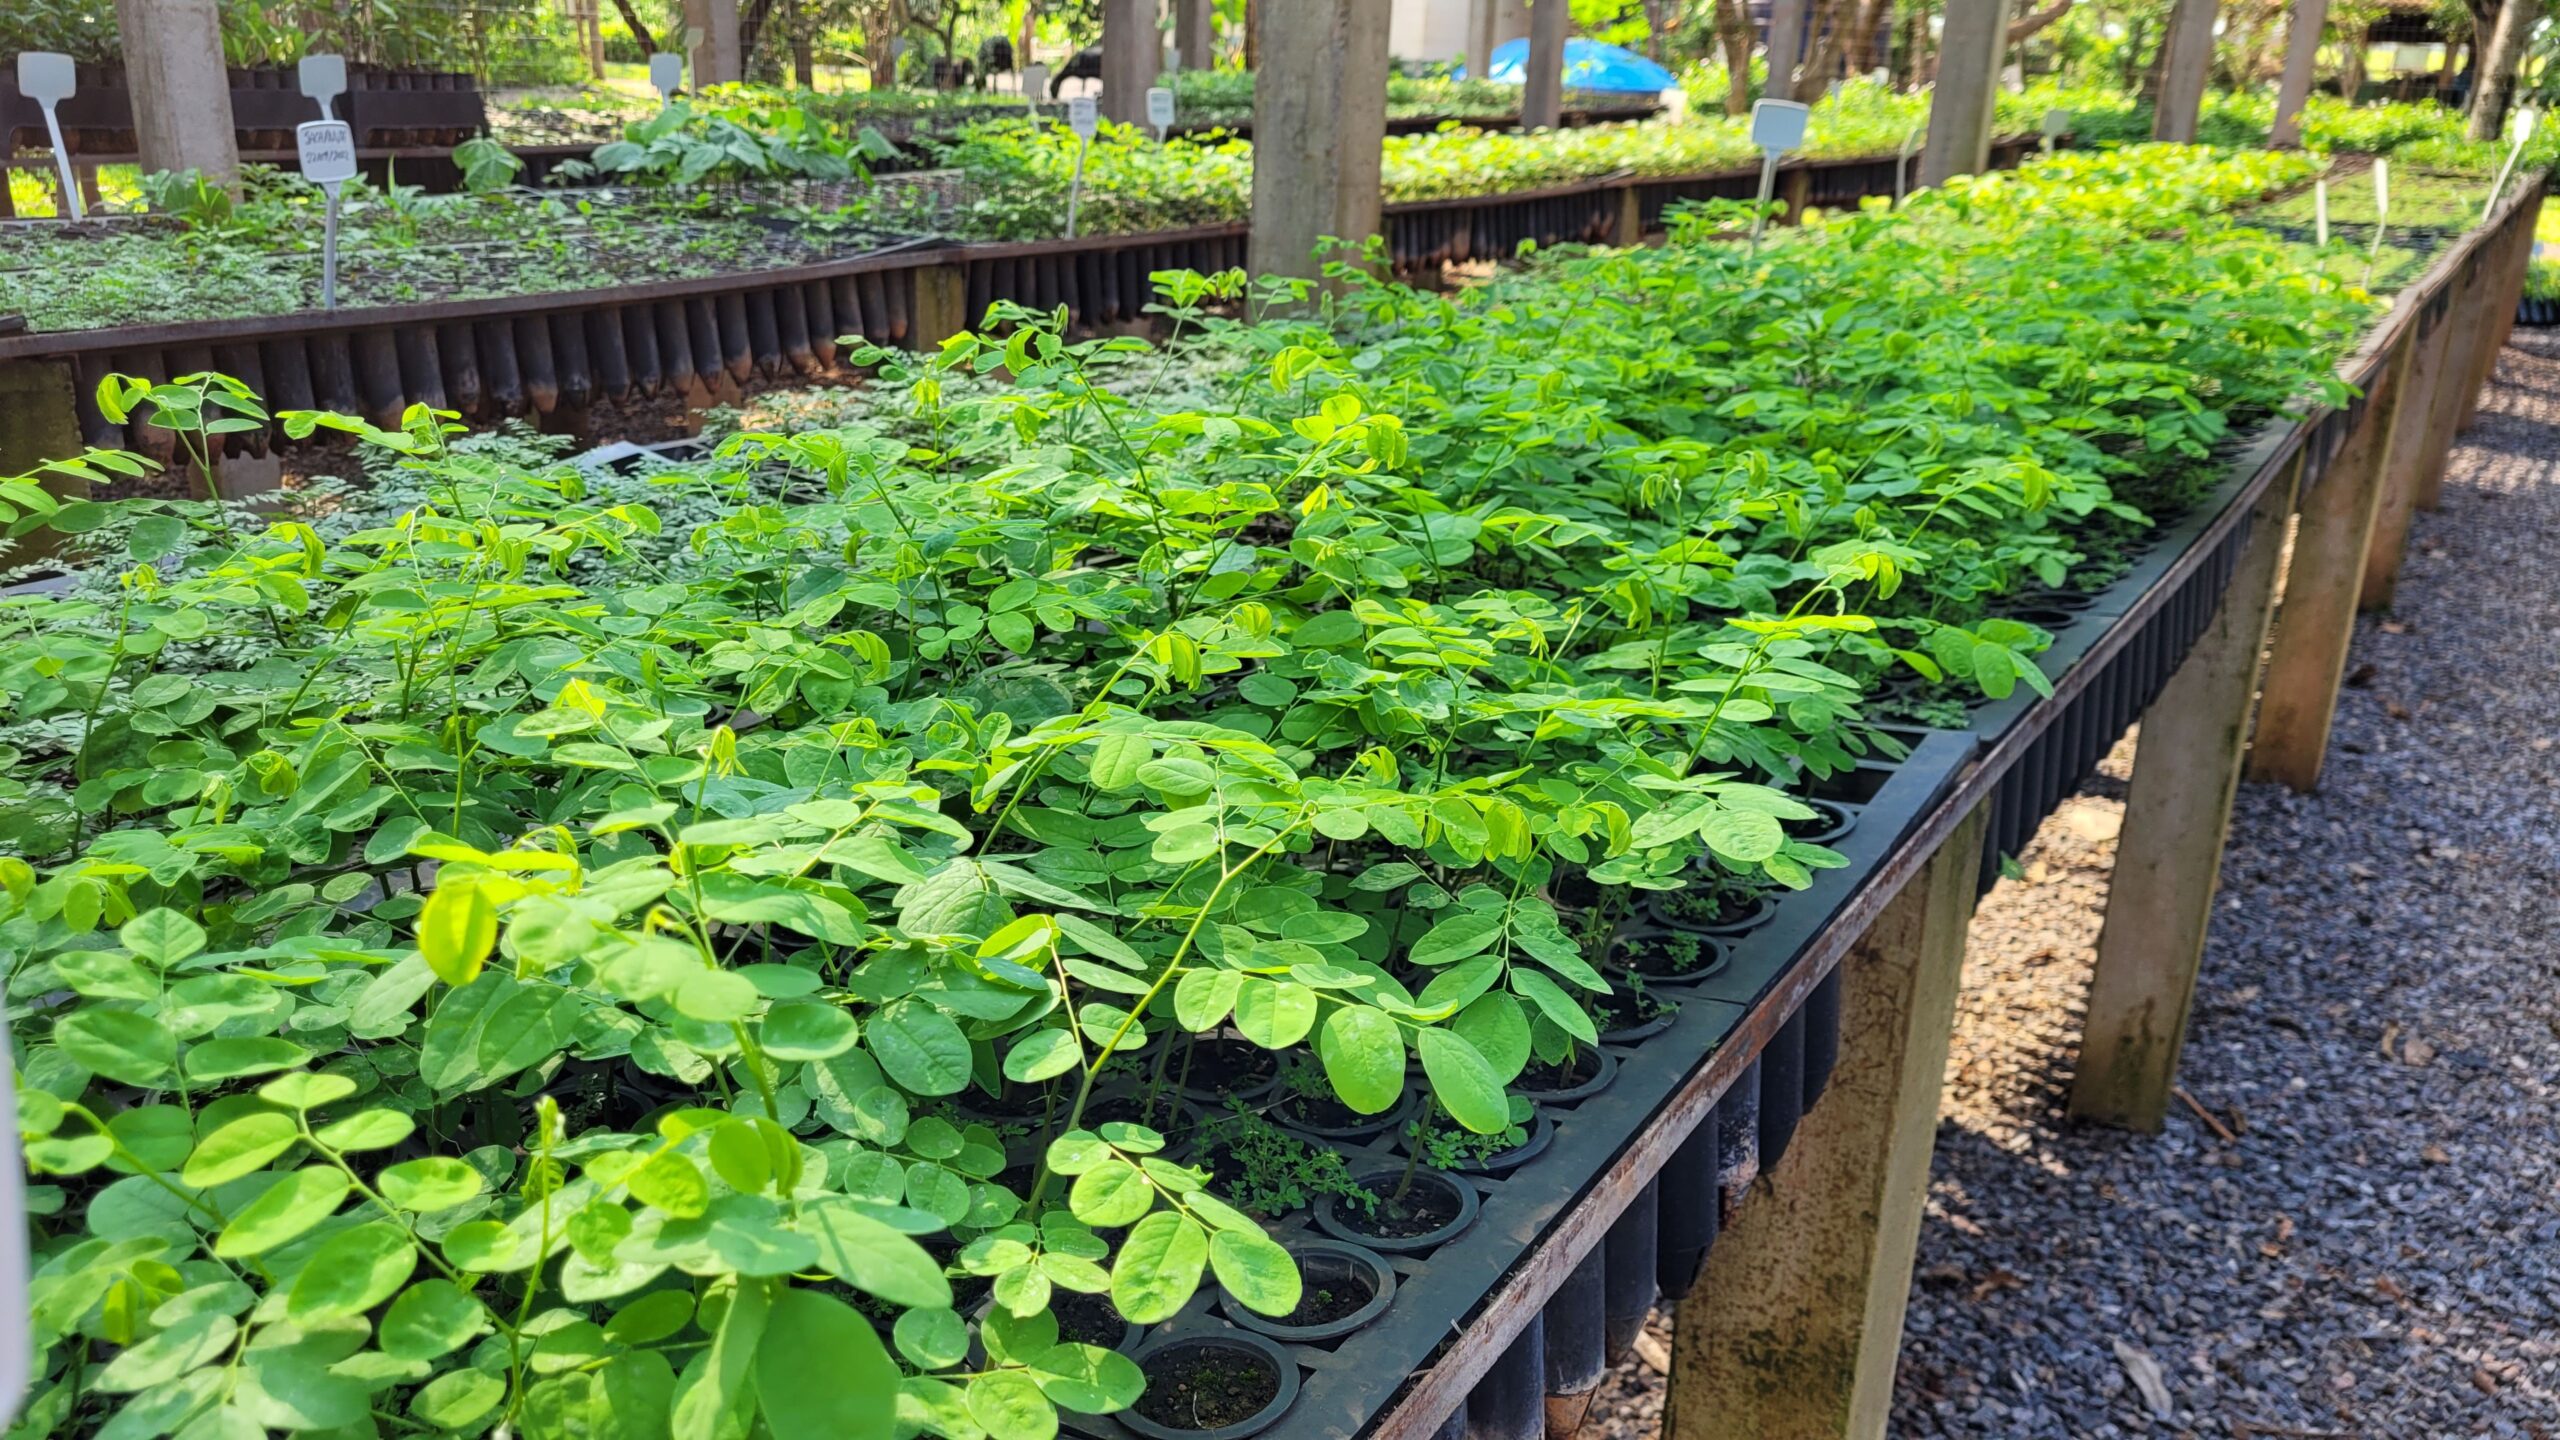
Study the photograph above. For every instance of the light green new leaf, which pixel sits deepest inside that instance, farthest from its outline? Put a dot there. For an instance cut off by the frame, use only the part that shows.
(1158, 1267)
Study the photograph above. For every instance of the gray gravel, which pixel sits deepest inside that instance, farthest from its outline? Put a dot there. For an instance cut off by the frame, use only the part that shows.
(2376, 1251)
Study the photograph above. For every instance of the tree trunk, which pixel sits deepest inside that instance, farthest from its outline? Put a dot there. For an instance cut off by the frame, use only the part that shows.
(2027, 25)
(2496, 82)
(2351, 63)
(639, 29)
(1733, 33)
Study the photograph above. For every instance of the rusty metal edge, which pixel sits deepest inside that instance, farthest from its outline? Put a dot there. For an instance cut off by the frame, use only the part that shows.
(1426, 1401)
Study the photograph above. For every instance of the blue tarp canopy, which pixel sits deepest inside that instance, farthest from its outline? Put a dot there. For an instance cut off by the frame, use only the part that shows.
(1588, 65)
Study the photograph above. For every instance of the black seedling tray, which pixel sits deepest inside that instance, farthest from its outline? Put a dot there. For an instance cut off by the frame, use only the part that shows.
(1346, 1381)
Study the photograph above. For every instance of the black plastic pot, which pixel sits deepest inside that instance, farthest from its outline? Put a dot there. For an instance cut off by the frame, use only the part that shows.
(1690, 1208)
(1657, 908)
(1781, 1089)
(1255, 1093)
(1821, 1036)
(1603, 1068)
(1368, 1126)
(1633, 1245)
(1322, 1261)
(1542, 1130)
(1130, 1335)
(1737, 1138)
(1642, 1029)
(1576, 1325)
(1837, 820)
(1510, 1402)
(1234, 1347)
(1628, 950)
(1333, 1219)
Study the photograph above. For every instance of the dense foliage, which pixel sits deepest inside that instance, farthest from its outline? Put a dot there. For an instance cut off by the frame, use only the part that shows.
(582, 954)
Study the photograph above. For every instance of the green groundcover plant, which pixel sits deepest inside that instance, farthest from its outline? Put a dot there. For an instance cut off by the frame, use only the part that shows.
(706, 953)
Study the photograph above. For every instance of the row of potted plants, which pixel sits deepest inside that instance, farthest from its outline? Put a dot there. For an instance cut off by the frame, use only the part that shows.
(743, 943)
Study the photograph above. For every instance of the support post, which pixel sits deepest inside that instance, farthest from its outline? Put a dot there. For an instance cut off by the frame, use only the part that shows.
(1795, 1324)
(1194, 25)
(942, 306)
(2301, 54)
(2298, 698)
(181, 93)
(2400, 473)
(717, 61)
(1132, 57)
(2471, 324)
(2186, 769)
(1630, 227)
(39, 421)
(1319, 129)
(1786, 46)
(1480, 24)
(2186, 65)
(1961, 103)
(1542, 77)
(2515, 256)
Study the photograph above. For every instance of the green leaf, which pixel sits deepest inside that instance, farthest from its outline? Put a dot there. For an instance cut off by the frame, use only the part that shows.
(1742, 837)
(1558, 1007)
(1202, 998)
(1087, 1378)
(872, 1257)
(122, 1045)
(1494, 1025)
(163, 937)
(1042, 1055)
(1158, 1267)
(1116, 758)
(457, 928)
(1463, 1082)
(366, 1130)
(808, 1030)
(356, 1270)
(1254, 1268)
(236, 1149)
(306, 1091)
(821, 1371)
(670, 1181)
(1110, 1194)
(213, 1061)
(933, 1339)
(284, 1210)
(711, 1400)
(458, 1399)
(431, 1318)
(429, 1183)
(921, 1048)
(1363, 1054)
(1275, 1014)
(1009, 1404)
(1468, 932)
(193, 1341)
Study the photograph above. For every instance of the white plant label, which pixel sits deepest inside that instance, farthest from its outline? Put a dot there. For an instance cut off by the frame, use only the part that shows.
(1083, 116)
(1777, 126)
(1675, 104)
(327, 149)
(1035, 82)
(2520, 129)
(1160, 110)
(2381, 189)
(2320, 211)
(49, 79)
(324, 79)
(666, 75)
(17, 1348)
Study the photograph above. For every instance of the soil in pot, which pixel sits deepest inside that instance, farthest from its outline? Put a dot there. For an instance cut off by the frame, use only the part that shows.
(1087, 1319)
(1205, 1385)
(1337, 1296)
(1542, 1079)
(1424, 1209)
(1221, 1066)
(1668, 954)
(1626, 1009)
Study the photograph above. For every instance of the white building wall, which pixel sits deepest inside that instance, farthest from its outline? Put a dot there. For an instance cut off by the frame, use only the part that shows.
(1428, 30)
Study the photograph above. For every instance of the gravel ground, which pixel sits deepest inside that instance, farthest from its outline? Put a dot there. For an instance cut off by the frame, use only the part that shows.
(2370, 1245)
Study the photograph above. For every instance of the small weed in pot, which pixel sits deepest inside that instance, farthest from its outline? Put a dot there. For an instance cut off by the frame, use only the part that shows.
(1720, 899)
(1268, 1171)
(1629, 1009)
(1669, 954)
(1444, 1146)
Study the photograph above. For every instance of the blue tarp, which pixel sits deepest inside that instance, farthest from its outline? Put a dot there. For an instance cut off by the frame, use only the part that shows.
(1588, 65)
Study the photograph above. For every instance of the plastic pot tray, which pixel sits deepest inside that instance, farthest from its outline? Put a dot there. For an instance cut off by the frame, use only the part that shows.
(1347, 1380)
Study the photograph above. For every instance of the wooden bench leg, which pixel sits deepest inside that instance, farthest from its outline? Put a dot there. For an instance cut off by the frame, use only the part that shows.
(2160, 904)
(1796, 1322)
(2299, 695)
(2401, 472)
(2516, 255)
(2469, 322)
